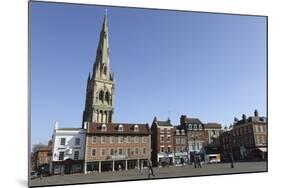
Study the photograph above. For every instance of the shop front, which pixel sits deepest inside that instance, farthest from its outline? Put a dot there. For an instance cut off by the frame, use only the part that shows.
(181, 158)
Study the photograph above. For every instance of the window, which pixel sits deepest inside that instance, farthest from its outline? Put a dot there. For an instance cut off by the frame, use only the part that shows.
(168, 138)
(258, 139)
(213, 132)
(120, 128)
(144, 140)
(128, 151)
(94, 152)
(120, 151)
(161, 130)
(136, 128)
(103, 140)
(261, 129)
(182, 140)
(112, 140)
(103, 128)
(178, 149)
(169, 149)
(62, 141)
(178, 141)
(144, 151)
(137, 151)
(129, 139)
(177, 132)
(61, 155)
(77, 141)
(76, 155)
(94, 139)
(162, 149)
(136, 139)
(162, 138)
(257, 128)
(111, 151)
(102, 152)
(195, 126)
(121, 139)
(182, 132)
(199, 126)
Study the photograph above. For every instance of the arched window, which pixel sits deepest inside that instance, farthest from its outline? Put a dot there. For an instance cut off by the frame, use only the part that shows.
(136, 128)
(177, 131)
(103, 127)
(104, 70)
(101, 96)
(107, 96)
(120, 128)
(190, 126)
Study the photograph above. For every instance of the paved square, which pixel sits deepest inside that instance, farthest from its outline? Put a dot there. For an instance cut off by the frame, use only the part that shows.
(186, 171)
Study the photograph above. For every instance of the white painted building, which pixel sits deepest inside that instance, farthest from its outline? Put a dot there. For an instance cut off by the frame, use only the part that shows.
(68, 150)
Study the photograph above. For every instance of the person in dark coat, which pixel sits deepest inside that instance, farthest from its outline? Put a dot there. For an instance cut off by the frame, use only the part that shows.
(198, 161)
(231, 160)
(195, 161)
(150, 169)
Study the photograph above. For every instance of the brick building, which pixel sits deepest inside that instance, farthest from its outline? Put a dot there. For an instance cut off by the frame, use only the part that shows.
(212, 133)
(195, 135)
(247, 138)
(42, 157)
(180, 146)
(110, 146)
(162, 142)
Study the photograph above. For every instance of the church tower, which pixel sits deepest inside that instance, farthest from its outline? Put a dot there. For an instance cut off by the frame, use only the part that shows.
(99, 105)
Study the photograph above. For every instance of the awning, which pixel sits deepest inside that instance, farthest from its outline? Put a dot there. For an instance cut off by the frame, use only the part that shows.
(263, 149)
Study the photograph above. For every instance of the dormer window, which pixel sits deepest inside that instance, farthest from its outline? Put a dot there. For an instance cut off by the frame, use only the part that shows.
(199, 126)
(120, 128)
(182, 132)
(195, 126)
(177, 132)
(136, 128)
(103, 127)
(190, 126)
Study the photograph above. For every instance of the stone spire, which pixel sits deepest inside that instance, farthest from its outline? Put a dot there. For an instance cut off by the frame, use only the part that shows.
(102, 56)
(99, 105)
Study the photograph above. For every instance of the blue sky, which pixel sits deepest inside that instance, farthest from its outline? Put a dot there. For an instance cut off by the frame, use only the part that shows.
(166, 63)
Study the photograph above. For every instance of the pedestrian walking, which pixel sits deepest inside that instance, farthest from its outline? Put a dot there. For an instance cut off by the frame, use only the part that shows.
(231, 160)
(150, 168)
(141, 168)
(199, 161)
(195, 161)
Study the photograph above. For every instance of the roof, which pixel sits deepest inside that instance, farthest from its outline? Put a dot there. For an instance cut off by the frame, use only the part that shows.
(44, 148)
(112, 128)
(192, 121)
(252, 119)
(164, 123)
(212, 125)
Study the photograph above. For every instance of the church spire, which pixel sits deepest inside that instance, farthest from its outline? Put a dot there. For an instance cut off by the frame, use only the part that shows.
(101, 67)
(99, 105)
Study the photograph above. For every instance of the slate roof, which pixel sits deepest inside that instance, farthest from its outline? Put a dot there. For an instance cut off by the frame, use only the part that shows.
(212, 125)
(112, 128)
